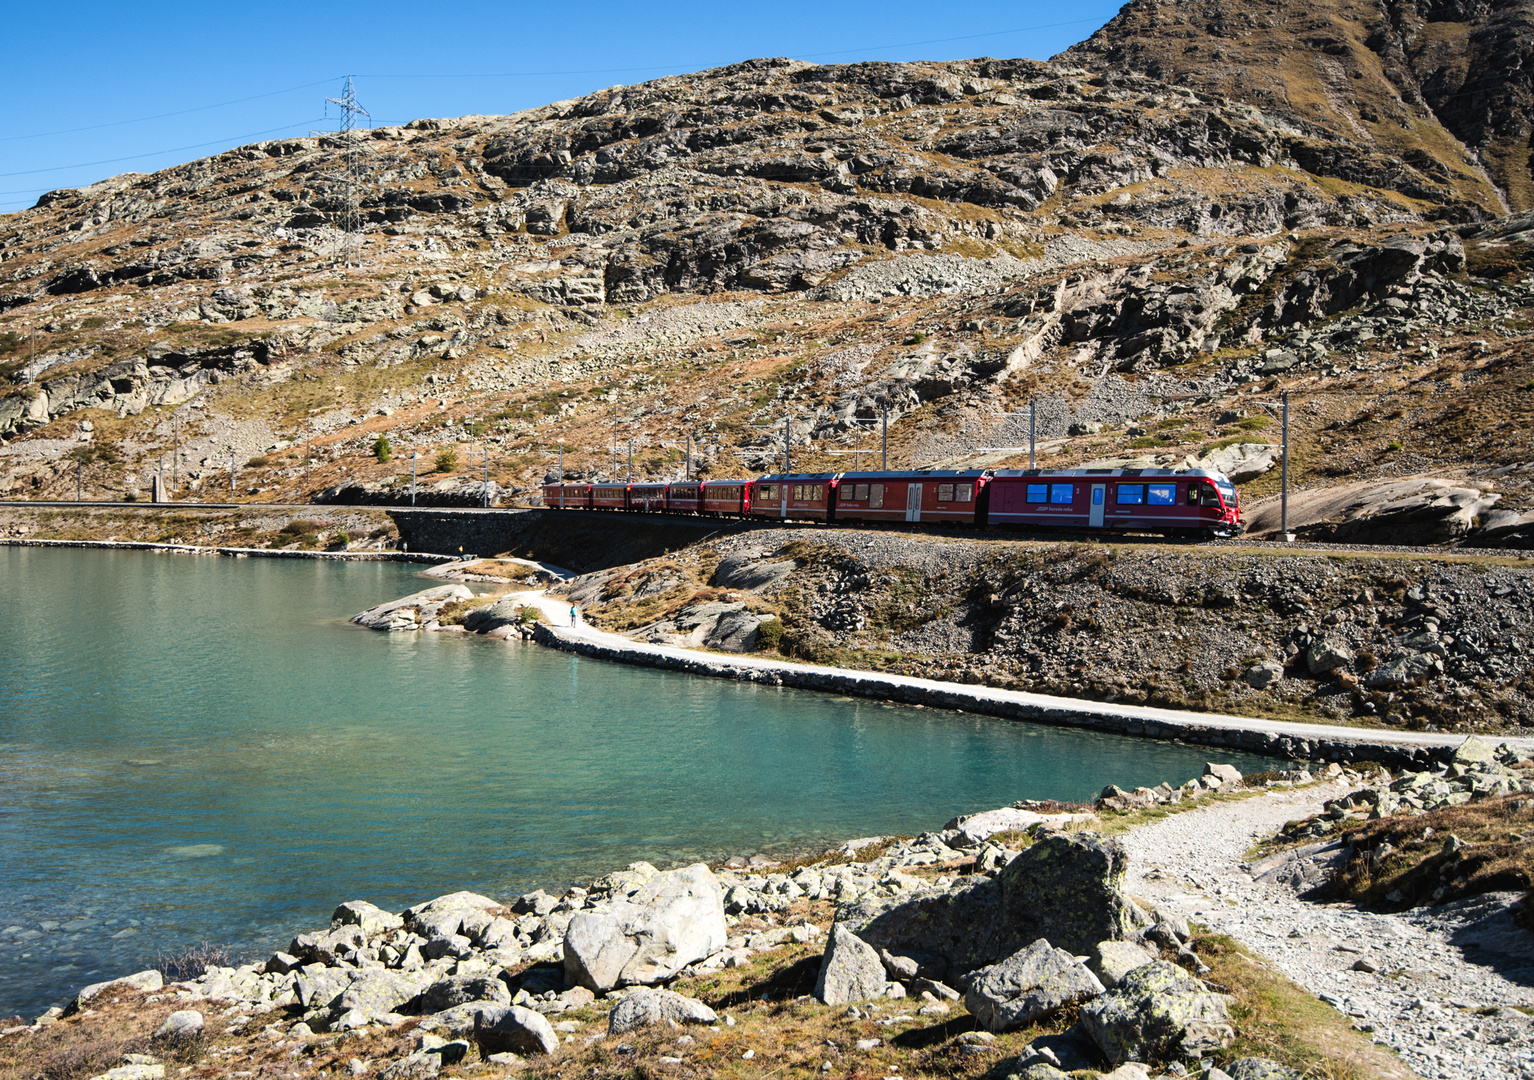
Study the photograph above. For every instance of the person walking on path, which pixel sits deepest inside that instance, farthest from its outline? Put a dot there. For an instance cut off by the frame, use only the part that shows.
(574, 616)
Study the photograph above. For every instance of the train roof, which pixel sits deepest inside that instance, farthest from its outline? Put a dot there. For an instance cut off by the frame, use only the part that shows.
(916, 474)
(789, 478)
(1209, 474)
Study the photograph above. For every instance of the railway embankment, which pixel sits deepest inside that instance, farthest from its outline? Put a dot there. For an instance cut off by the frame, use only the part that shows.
(1404, 642)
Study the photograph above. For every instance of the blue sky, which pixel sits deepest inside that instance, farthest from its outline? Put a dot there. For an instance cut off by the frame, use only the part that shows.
(96, 89)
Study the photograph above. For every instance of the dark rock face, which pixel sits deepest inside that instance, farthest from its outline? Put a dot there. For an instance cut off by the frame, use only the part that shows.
(1067, 889)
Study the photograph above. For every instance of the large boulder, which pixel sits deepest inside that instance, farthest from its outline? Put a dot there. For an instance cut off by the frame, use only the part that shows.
(445, 916)
(375, 992)
(413, 611)
(1110, 961)
(850, 970)
(651, 1006)
(462, 989)
(1067, 888)
(677, 917)
(1030, 984)
(1157, 1011)
(372, 919)
(1241, 462)
(502, 1028)
(1421, 510)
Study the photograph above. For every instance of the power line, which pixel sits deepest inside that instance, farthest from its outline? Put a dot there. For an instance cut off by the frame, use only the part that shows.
(157, 153)
(162, 116)
(674, 67)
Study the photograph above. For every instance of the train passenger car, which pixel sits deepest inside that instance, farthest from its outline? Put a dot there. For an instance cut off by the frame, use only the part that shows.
(1143, 500)
(804, 496)
(726, 498)
(649, 498)
(610, 496)
(684, 497)
(931, 496)
(567, 496)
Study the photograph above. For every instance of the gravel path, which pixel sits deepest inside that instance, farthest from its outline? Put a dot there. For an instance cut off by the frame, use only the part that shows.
(1424, 1002)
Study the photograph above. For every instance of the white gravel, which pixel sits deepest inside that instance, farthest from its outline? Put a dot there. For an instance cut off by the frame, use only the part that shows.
(1427, 998)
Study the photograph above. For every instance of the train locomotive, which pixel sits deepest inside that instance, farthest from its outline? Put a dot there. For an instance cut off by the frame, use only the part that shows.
(1190, 503)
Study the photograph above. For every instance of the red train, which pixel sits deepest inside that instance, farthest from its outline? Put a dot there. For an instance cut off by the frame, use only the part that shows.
(1191, 503)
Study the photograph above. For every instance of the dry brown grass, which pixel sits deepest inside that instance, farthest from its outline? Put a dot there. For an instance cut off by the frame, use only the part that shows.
(1496, 859)
(1276, 1019)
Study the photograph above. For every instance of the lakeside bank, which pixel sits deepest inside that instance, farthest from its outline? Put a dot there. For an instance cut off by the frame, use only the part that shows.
(556, 629)
(233, 552)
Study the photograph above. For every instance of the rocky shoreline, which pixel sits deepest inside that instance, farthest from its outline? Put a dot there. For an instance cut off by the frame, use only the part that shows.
(533, 616)
(1016, 915)
(233, 552)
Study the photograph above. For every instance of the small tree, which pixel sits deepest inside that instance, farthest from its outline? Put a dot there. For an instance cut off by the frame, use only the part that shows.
(447, 461)
(382, 450)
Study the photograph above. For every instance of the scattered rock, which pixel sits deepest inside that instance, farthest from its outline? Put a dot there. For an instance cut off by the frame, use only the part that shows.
(1029, 985)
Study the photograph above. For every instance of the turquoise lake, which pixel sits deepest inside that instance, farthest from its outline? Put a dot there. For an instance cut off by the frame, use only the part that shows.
(201, 749)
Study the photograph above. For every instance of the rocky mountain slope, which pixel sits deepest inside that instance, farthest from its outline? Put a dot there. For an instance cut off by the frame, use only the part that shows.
(707, 261)
(1443, 86)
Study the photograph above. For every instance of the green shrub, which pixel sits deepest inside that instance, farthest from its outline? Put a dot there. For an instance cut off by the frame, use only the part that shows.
(131, 496)
(1393, 445)
(447, 461)
(259, 462)
(769, 635)
(382, 450)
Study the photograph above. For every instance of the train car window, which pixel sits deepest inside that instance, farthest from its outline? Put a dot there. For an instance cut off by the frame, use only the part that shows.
(1062, 494)
(1193, 494)
(945, 493)
(875, 496)
(963, 493)
(1131, 494)
(1161, 494)
(1210, 495)
(798, 492)
(846, 492)
(1038, 493)
(861, 491)
(820, 492)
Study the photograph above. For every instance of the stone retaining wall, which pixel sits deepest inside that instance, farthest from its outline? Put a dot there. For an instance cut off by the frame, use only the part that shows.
(582, 541)
(937, 695)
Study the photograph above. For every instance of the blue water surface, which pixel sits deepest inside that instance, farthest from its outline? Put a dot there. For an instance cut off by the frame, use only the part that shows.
(201, 749)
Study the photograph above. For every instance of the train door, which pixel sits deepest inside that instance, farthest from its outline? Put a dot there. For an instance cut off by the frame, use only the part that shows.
(783, 505)
(913, 501)
(1099, 496)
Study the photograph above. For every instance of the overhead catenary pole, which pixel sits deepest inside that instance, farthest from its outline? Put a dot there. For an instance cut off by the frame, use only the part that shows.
(561, 463)
(629, 476)
(1032, 428)
(79, 479)
(412, 477)
(884, 414)
(1283, 504)
(486, 448)
(788, 433)
(231, 474)
(687, 467)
